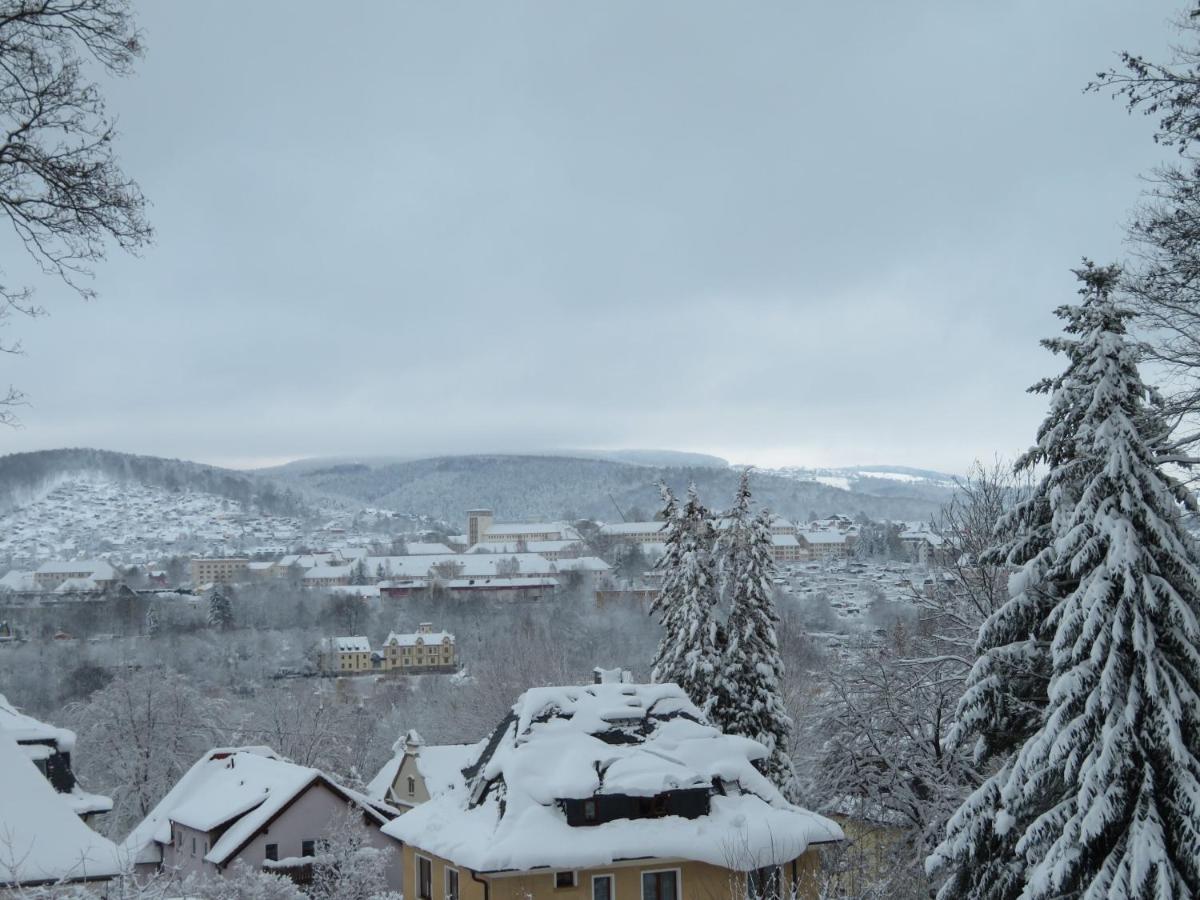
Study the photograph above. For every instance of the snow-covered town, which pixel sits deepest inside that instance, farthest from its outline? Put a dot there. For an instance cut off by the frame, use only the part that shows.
(553, 451)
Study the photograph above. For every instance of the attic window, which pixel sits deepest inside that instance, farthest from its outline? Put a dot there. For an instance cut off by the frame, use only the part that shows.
(412, 786)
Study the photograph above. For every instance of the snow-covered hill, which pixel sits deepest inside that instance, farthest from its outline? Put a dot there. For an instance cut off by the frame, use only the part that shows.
(89, 513)
(878, 481)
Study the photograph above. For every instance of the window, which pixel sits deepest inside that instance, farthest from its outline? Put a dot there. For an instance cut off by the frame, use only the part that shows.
(424, 879)
(272, 851)
(660, 885)
(452, 884)
(412, 786)
(564, 879)
(589, 810)
(308, 848)
(602, 887)
(193, 846)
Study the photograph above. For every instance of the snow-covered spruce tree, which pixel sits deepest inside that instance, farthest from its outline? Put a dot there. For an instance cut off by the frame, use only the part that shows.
(220, 610)
(753, 667)
(1110, 783)
(690, 653)
(1005, 696)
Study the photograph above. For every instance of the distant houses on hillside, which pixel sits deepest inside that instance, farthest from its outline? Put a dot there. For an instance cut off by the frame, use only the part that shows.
(402, 653)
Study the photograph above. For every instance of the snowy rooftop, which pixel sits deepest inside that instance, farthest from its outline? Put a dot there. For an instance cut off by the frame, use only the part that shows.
(355, 644)
(317, 572)
(523, 547)
(18, 580)
(96, 568)
(561, 744)
(440, 766)
(784, 540)
(619, 528)
(45, 839)
(422, 637)
(242, 789)
(518, 528)
(822, 537)
(22, 728)
(582, 564)
(464, 565)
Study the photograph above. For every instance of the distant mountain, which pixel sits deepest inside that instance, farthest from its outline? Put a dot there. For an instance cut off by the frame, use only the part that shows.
(654, 458)
(878, 481)
(552, 486)
(26, 476)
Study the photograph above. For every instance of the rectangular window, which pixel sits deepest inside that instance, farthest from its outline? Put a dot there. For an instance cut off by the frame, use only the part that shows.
(308, 848)
(452, 884)
(660, 885)
(193, 846)
(424, 879)
(602, 887)
(412, 786)
(564, 879)
(272, 851)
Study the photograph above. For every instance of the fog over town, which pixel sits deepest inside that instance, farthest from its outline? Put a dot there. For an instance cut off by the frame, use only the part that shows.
(573, 452)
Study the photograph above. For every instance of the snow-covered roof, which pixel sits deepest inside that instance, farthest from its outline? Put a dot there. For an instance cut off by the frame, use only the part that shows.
(45, 841)
(440, 766)
(582, 564)
(317, 572)
(620, 528)
(355, 644)
(500, 529)
(22, 728)
(72, 585)
(18, 580)
(523, 547)
(418, 637)
(575, 743)
(96, 568)
(822, 537)
(242, 789)
(426, 548)
(784, 540)
(463, 565)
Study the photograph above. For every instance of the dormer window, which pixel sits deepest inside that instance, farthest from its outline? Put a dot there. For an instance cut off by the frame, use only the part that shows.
(412, 786)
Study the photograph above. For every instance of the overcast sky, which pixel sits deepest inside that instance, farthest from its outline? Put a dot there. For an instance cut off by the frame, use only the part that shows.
(787, 233)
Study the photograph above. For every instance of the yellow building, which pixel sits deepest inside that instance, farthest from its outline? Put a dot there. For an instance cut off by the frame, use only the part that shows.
(599, 792)
(345, 655)
(225, 570)
(422, 651)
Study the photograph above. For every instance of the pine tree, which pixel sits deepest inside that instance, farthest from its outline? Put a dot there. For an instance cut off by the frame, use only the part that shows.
(220, 610)
(358, 573)
(153, 625)
(1005, 695)
(1114, 771)
(753, 667)
(690, 652)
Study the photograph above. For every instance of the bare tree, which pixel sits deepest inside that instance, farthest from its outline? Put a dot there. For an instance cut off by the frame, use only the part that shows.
(61, 187)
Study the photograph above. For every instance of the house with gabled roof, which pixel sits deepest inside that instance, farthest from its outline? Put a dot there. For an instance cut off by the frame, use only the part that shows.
(610, 790)
(249, 805)
(417, 772)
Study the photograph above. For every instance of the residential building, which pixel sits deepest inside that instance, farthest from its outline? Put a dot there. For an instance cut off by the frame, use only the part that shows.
(786, 547)
(327, 576)
(220, 570)
(98, 573)
(580, 792)
(780, 525)
(49, 748)
(345, 655)
(635, 532)
(248, 805)
(45, 842)
(417, 772)
(550, 550)
(824, 544)
(421, 651)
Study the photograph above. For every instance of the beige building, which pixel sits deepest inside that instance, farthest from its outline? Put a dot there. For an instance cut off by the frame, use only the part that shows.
(95, 572)
(345, 656)
(558, 803)
(635, 532)
(424, 650)
(220, 570)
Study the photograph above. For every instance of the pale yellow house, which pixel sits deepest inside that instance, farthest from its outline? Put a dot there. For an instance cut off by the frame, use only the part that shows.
(424, 650)
(600, 792)
(345, 655)
(220, 570)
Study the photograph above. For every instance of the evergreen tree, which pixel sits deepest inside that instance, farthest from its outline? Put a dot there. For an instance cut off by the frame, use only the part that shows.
(1005, 694)
(690, 652)
(220, 610)
(153, 625)
(753, 667)
(358, 573)
(1114, 771)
